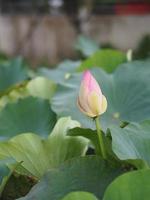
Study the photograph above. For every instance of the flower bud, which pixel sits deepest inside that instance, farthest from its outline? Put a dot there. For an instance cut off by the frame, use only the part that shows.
(91, 101)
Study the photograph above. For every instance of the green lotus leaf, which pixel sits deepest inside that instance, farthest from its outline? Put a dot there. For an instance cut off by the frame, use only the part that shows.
(41, 87)
(107, 59)
(37, 87)
(87, 174)
(12, 73)
(37, 155)
(132, 143)
(130, 186)
(62, 73)
(91, 135)
(27, 115)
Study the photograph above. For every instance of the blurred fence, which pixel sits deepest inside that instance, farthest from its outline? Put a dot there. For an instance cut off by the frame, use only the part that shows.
(73, 7)
(51, 37)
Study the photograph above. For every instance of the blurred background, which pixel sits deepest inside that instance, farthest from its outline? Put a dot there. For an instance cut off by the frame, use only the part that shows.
(46, 31)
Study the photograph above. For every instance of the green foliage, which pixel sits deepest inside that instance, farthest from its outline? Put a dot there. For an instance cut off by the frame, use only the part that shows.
(62, 73)
(40, 144)
(107, 59)
(130, 186)
(79, 195)
(27, 115)
(3, 57)
(90, 174)
(86, 133)
(132, 143)
(37, 87)
(38, 155)
(91, 135)
(41, 87)
(12, 73)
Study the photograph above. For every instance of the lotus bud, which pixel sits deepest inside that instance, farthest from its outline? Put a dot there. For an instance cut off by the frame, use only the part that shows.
(91, 101)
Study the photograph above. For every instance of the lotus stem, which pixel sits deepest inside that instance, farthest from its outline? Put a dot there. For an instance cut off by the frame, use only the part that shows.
(100, 138)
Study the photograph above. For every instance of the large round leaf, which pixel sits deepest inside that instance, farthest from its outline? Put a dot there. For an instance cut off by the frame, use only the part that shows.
(37, 155)
(130, 186)
(27, 115)
(90, 174)
(127, 91)
(132, 143)
(12, 73)
(107, 59)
